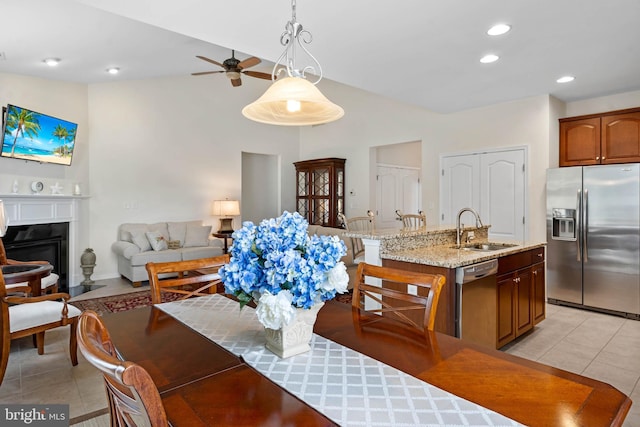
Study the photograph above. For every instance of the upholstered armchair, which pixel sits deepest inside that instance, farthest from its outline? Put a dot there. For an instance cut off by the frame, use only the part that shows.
(22, 316)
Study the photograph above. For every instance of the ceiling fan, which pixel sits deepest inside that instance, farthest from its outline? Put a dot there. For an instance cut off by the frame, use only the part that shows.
(233, 68)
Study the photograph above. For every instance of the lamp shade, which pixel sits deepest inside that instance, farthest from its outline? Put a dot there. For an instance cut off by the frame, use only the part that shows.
(293, 101)
(3, 220)
(226, 208)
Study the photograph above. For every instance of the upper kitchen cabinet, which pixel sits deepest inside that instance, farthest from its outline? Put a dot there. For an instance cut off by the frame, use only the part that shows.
(320, 190)
(579, 142)
(605, 138)
(620, 138)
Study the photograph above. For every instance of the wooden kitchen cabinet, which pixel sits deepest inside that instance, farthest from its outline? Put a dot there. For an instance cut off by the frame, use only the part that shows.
(539, 297)
(320, 190)
(521, 295)
(604, 138)
(515, 296)
(580, 142)
(620, 138)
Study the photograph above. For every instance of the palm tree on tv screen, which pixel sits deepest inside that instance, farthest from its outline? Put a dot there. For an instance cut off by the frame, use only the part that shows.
(24, 122)
(63, 134)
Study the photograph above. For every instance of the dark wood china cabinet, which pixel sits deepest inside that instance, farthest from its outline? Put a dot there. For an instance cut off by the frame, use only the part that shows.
(320, 190)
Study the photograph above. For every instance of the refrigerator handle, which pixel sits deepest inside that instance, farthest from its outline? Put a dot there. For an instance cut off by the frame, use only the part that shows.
(578, 222)
(585, 227)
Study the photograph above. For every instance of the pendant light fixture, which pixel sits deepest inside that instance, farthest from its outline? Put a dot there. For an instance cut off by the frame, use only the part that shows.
(292, 100)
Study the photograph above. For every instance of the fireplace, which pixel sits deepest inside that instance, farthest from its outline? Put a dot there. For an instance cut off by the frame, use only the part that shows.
(41, 242)
(59, 215)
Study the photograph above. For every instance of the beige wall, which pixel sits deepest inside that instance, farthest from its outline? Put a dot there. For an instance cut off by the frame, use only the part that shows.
(604, 103)
(163, 149)
(67, 101)
(372, 121)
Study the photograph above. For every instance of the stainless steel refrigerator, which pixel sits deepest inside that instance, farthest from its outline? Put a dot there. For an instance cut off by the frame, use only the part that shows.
(593, 237)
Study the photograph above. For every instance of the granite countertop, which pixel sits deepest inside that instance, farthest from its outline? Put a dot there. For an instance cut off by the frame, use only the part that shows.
(449, 256)
(394, 233)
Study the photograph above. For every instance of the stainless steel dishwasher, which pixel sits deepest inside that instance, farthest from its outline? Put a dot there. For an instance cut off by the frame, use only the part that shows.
(476, 303)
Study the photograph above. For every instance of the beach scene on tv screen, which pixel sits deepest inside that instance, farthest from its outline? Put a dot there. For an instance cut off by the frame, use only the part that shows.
(34, 136)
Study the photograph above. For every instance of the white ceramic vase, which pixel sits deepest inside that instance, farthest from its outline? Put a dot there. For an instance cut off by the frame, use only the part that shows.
(293, 339)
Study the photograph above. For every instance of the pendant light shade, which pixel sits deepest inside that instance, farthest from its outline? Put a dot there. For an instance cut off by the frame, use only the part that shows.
(293, 101)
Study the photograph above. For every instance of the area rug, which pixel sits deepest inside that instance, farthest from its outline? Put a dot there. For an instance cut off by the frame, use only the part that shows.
(124, 302)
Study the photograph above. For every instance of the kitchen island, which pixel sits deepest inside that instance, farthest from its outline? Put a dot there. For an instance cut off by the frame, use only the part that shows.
(520, 297)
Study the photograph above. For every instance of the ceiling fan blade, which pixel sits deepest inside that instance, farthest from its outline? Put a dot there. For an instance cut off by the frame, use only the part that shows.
(204, 58)
(249, 62)
(206, 72)
(258, 74)
(236, 82)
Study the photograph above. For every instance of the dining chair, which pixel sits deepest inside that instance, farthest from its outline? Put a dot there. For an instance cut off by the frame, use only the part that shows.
(48, 284)
(196, 277)
(358, 224)
(408, 296)
(414, 220)
(22, 316)
(133, 397)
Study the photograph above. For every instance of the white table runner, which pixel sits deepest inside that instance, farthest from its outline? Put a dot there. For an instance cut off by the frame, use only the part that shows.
(350, 388)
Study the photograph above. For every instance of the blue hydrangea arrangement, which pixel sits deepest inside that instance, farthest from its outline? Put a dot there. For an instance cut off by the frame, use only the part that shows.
(278, 265)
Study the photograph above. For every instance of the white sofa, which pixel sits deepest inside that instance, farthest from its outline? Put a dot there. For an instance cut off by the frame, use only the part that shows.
(133, 247)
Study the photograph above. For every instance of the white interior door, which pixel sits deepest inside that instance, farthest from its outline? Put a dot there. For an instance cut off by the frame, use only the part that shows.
(502, 194)
(459, 187)
(396, 188)
(493, 183)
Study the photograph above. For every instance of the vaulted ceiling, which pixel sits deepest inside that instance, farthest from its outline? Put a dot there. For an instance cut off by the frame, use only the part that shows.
(422, 52)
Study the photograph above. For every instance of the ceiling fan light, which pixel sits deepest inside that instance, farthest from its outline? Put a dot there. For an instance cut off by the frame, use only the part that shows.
(273, 106)
(233, 75)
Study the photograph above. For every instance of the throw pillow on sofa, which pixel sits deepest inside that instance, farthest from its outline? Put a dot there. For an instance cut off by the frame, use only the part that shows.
(174, 244)
(197, 235)
(141, 241)
(157, 240)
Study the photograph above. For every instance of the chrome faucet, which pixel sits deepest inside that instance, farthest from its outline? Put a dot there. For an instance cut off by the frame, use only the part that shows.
(460, 229)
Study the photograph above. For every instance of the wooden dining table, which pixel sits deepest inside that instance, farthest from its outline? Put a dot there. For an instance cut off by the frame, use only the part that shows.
(202, 383)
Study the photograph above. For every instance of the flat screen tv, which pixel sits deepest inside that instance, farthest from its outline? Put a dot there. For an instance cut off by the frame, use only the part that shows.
(29, 135)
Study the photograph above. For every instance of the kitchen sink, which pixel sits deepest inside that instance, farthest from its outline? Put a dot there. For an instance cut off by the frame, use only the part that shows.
(487, 246)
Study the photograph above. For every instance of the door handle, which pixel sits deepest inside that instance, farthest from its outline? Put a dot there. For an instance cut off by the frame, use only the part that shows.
(585, 228)
(578, 222)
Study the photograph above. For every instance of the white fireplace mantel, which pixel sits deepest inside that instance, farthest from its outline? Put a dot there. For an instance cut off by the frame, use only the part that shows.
(30, 209)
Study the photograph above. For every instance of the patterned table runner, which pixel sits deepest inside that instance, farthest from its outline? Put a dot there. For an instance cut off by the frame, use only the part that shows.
(349, 387)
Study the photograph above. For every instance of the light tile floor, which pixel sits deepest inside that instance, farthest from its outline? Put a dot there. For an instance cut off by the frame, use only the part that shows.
(592, 344)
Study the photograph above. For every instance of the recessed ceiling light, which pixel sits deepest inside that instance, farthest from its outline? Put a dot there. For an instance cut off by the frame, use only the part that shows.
(51, 62)
(565, 79)
(499, 29)
(487, 59)
(113, 70)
